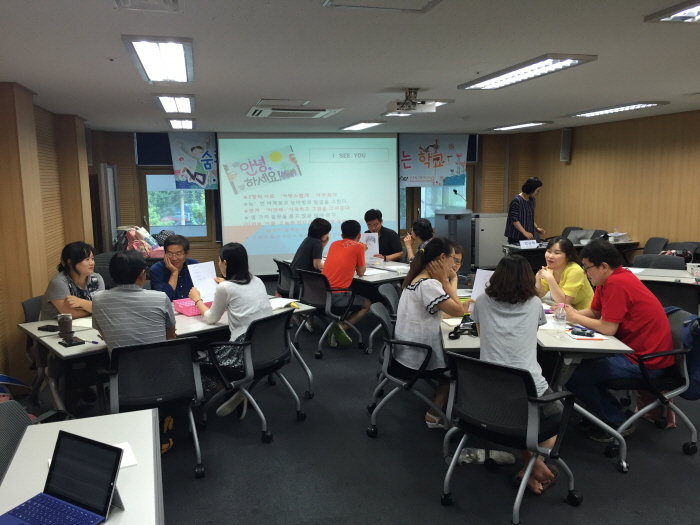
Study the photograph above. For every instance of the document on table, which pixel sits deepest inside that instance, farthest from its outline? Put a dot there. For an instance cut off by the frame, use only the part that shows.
(280, 302)
(372, 242)
(203, 275)
(634, 270)
(84, 322)
(374, 271)
(480, 281)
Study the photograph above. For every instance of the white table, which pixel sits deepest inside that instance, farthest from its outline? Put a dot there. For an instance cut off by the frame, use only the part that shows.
(672, 287)
(32, 329)
(140, 486)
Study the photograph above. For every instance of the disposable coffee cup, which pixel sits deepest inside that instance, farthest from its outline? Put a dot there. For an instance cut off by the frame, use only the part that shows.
(65, 325)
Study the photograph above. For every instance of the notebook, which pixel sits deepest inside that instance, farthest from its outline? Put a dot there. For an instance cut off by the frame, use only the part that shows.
(80, 486)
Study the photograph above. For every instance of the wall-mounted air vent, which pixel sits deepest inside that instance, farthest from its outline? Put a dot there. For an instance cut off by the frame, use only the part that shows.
(290, 112)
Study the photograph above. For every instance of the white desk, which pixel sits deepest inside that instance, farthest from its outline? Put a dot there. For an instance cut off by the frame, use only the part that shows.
(140, 486)
(32, 329)
(663, 275)
(672, 287)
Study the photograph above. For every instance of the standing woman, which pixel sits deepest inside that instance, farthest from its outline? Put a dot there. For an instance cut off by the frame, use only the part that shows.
(427, 293)
(563, 275)
(244, 297)
(421, 230)
(70, 291)
(520, 224)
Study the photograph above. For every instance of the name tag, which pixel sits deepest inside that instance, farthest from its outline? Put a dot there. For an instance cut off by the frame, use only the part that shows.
(528, 244)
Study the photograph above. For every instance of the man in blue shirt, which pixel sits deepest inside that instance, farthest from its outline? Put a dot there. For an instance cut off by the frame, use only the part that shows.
(171, 275)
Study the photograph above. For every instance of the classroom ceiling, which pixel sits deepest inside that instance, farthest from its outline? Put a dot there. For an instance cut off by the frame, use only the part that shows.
(70, 53)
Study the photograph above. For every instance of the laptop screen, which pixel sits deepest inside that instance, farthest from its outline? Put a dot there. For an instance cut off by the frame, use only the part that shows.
(83, 472)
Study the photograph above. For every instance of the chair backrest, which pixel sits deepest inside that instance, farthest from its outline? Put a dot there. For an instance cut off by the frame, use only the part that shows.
(285, 281)
(13, 422)
(102, 267)
(654, 245)
(268, 338)
(151, 374)
(314, 288)
(690, 246)
(32, 309)
(391, 296)
(382, 314)
(566, 231)
(666, 262)
(676, 320)
(492, 396)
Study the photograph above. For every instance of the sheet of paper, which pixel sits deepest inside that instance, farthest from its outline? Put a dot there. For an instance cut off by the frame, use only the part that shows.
(596, 337)
(635, 270)
(203, 279)
(84, 322)
(280, 302)
(372, 242)
(480, 281)
(452, 321)
(374, 271)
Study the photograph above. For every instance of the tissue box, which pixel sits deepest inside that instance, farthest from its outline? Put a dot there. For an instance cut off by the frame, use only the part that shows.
(187, 307)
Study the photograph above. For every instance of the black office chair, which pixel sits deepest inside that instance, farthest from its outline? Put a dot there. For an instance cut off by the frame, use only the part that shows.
(265, 352)
(14, 420)
(499, 404)
(316, 292)
(683, 246)
(102, 267)
(37, 356)
(285, 279)
(673, 383)
(390, 298)
(666, 262)
(653, 246)
(151, 375)
(392, 372)
(565, 233)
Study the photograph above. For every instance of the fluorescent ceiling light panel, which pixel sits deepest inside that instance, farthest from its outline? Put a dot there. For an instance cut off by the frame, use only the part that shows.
(405, 6)
(161, 59)
(175, 103)
(617, 109)
(439, 103)
(362, 125)
(395, 114)
(150, 5)
(181, 124)
(537, 67)
(683, 12)
(520, 126)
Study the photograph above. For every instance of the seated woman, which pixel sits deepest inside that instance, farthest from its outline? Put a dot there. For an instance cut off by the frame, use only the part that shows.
(427, 293)
(508, 315)
(70, 291)
(422, 231)
(245, 298)
(563, 275)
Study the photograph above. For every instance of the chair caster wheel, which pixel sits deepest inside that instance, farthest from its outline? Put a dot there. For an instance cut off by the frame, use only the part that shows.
(574, 498)
(308, 395)
(371, 407)
(361, 345)
(271, 380)
(623, 467)
(446, 499)
(491, 465)
(380, 393)
(625, 401)
(690, 448)
(660, 422)
(368, 350)
(301, 415)
(372, 431)
(267, 436)
(318, 355)
(612, 450)
(201, 425)
(198, 472)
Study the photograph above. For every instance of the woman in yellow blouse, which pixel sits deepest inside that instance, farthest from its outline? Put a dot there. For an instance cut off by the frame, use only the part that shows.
(563, 275)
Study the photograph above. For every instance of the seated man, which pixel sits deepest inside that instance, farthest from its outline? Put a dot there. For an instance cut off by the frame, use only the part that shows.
(171, 274)
(622, 306)
(389, 242)
(345, 257)
(127, 314)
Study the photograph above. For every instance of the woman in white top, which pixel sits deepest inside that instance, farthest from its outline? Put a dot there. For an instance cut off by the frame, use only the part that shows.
(427, 293)
(245, 298)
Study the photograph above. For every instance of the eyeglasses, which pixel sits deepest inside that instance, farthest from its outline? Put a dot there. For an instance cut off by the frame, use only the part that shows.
(586, 268)
(457, 261)
(175, 254)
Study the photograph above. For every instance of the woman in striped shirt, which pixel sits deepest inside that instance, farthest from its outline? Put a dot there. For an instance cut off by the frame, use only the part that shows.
(520, 225)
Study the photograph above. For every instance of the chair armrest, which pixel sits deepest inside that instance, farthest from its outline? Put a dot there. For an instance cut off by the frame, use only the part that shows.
(550, 398)
(329, 305)
(421, 369)
(678, 351)
(340, 289)
(645, 371)
(103, 372)
(567, 399)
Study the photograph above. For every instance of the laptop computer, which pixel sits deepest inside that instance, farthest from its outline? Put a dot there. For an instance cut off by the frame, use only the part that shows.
(80, 486)
(576, 236)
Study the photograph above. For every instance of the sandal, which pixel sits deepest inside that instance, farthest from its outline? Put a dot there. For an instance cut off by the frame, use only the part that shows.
(545, 487)
(433, 422)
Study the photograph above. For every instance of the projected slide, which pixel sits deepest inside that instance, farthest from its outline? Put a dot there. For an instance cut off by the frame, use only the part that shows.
(272, 188)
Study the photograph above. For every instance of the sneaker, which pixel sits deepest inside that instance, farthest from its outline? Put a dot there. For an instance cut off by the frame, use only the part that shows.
(340, 335)
(309, 325)
(601, 436)
(331, 339)
(478, 456)
(230, 404)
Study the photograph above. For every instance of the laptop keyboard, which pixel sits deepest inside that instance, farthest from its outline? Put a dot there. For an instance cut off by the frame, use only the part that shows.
(43, 510)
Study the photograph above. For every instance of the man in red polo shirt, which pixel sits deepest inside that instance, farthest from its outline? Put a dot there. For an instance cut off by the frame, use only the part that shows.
(622, 306)
(345, 257)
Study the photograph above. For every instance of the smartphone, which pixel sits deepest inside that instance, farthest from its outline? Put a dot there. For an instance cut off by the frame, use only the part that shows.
(71, 341)
(48, 328)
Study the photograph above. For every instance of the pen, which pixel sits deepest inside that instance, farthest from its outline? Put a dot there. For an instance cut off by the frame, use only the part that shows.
(94, 342)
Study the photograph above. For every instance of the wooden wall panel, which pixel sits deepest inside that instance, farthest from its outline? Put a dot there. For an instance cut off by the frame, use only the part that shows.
(54, 238)
(521, 165)
(119, 151)
(640, 175)
(493, 173)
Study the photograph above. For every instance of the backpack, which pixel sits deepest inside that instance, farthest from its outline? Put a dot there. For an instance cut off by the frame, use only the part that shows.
(687, 256)
(690, 335)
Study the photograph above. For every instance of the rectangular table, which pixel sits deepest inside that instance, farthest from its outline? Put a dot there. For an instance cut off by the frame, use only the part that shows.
(672, 287)
(535, 256)
(140, 486)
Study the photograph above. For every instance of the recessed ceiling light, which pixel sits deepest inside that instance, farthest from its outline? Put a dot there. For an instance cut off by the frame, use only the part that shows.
(519, 126)
(175, 103)
(161, 59)
(616, 109)
(683, 12)
(150, 5)
(395, 114)
(362, 125)
(537, 67)
(406, 6)
(181, 124)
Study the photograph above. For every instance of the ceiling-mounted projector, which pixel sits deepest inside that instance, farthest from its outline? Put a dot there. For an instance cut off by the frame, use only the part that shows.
(411, 106)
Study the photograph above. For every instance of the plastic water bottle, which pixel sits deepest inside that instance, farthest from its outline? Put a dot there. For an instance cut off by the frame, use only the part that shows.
(616, 234)
(560, 318)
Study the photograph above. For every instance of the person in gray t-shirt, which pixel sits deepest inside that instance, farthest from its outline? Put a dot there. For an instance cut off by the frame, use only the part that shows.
(508, 315)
